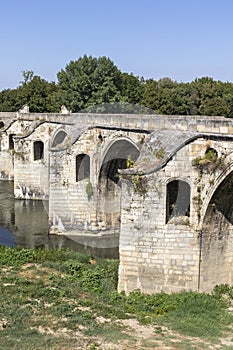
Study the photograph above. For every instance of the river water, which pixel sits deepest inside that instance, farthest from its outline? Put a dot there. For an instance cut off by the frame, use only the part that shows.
(24, 223)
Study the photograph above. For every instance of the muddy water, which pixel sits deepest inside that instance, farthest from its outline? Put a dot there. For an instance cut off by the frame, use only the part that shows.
(24, 223)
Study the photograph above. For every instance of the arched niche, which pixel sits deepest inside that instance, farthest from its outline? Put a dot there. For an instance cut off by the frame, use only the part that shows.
(59, 138)
(38, 150)
(177, 199)
(82, 167)
(11, 142)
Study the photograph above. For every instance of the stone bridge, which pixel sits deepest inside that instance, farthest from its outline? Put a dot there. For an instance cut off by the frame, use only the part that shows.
(164, 184)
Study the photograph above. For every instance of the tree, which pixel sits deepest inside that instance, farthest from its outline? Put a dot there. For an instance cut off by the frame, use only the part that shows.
(9, 100)
(37, 95)
(86, 82)
(212, 98)
(131, 88)
(27, 75)
(34, 91)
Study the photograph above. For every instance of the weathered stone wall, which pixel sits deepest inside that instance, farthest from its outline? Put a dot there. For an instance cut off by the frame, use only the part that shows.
(70, 207)
(163, 246)
(31, 176)
(179, 254)
(13, 127)
(133, 121)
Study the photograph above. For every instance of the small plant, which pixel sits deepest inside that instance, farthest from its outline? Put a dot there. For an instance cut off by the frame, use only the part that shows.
(94, 346)
(89, 190)
(210, 161)
(198, 200)
(140, 184)
(130, 163)
(160, 153)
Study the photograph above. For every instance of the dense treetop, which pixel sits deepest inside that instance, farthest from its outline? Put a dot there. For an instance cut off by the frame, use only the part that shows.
(91, 81)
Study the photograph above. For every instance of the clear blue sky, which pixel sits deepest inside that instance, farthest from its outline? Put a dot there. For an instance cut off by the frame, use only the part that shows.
(180, 39)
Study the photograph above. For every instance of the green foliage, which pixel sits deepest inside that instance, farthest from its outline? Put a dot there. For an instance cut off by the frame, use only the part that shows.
(223, 292)
(57, 290)
(90, 81)
(140, 184)
(93, 279)
(210, 161)
(19, 256)
(34, 92)
(89, 190)
(200, 315)
(202, 96)
(27, 76)
(72, 267)
(131, 88)
(130, 163)
(15, 257)
(160, 153)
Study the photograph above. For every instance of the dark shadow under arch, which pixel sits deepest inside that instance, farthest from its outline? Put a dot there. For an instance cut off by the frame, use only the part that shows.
(109, 192)
(178, 199)
(220, 205)
(82, 167)
(38, 150)
(116, 158)
(59, 138)
(11, 141)
(216, 238)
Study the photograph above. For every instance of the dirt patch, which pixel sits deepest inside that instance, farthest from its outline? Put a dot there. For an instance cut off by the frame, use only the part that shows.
(36, 271)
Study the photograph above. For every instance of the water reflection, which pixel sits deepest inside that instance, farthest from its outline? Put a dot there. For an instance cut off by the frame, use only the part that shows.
(7, 237)
(24, 223)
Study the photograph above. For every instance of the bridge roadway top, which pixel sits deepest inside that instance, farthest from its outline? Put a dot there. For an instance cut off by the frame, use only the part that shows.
(212, 124)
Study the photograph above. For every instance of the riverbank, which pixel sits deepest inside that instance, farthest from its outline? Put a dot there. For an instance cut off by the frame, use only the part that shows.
(62, 300)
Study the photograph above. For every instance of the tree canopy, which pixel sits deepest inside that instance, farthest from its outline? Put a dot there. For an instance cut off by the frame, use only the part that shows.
(91, 81)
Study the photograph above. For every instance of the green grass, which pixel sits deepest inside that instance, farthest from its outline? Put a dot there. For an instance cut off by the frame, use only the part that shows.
(200, 315)
(45, 291)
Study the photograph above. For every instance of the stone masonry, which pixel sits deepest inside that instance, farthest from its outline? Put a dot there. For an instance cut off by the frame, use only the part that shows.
(164, 183)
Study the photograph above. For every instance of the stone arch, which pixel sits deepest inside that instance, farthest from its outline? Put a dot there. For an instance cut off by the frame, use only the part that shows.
(82, 162)
(38, 150)
(177, 199)
(222, 200)
(109, 192)
(115, 157)
(213, 187)
(58, 138)
(217, 235)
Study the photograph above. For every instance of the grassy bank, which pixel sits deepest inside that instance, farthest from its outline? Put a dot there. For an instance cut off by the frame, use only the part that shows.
(60, 300)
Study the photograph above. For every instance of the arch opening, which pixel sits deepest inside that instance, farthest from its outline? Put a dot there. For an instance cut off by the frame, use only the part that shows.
(38, 150)
(109, 191)
(82, 167)
(116, 158)
(59, 138)
(11, 142)
(219, 212)
(217, 236)
(211, 153)
(178, 199)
